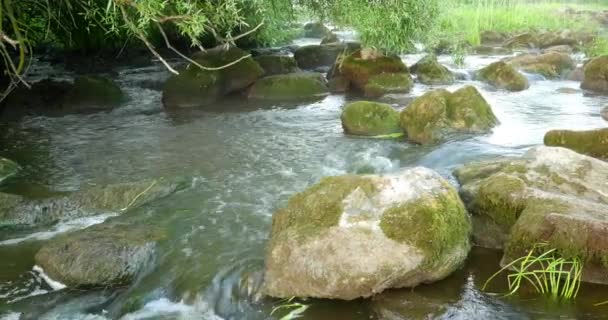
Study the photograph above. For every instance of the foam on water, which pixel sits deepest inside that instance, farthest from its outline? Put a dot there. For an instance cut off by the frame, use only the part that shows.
(164, 307)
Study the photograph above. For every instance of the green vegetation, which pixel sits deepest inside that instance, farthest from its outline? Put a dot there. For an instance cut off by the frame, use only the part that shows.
(295, 309)
(546, 271)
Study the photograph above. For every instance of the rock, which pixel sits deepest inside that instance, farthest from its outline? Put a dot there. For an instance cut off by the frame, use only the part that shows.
(92, 93)
(338, 84)
(257, 52)
(565, 49)
(330, 38)
(374, 74)
(430, 71)
(316, 30)
(436, 114)
(593, 143)
(289, 87)
(104, 255)
(492, 37)
(551, 39)
(385, 83)
(550, 195)
(20, 212)
(449, 46)
(596, 75)
(277, 64)
(318, 57)
(356, 236)
(604, 113)
(43, 98)
(521, 41)
(576, 75)
(195, 87)
(551, 65)
(7, 169)
(366, 118)
(503, 76)
(567, 90)
(491, 51)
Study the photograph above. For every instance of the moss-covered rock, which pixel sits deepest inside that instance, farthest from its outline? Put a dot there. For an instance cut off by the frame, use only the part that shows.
(489, 37)
(7, 169)
(195, 87)
(316, 30)
(355, 236)
(521, 41)
(289, 87)
(115, 198)
(593, 143)
(596, 75)
(370, 119)
(430, 71)
(44, 97)
(385, 83)
(90, 93)
(550, 39)
(330, 38)
(550, 195)
(565, 49)
(490, 51)
(277, 64)
(319, 57)
(436, 114)
(503, 76)
(551, 64)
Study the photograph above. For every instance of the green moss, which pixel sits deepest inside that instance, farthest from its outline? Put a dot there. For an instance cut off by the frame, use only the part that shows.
(193, 87)
(500, 197)
(319, 207)
(593, 143)
(370, 119)
(434, 225)
(503, 76)
(315, 56)
(467, 109)
(424, 115)
(431, 72)
(384, 83)
(286, 87)
(546, 70)
(277, 64)
(596, 75)
(359, 71)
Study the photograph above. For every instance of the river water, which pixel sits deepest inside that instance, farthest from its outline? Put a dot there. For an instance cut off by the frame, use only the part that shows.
(246, 161)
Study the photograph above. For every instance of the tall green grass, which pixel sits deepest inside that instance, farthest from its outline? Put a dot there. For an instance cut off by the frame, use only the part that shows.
(466, 19)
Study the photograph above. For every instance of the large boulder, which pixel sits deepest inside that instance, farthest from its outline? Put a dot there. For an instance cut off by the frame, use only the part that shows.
(20, 212)
(290, 87)
(7, 169)
(436, 114)
(503, 76)
(90, 93)
(550, 39)
(356, 236)
(370, 119)
(550, 195)
(110, 254)
(195, 87)
(374, 74)
(430, 71)
(321, 57)
(593, 143)
(551, 64)
(596, 75)
(276, 64)
(316, 30)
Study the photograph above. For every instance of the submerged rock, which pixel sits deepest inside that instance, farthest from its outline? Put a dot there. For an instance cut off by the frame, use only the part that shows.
(374, 74)
(567, 90)
(593, 143)
(7, 169)
(356, 236)
(316, 30)
(105, 255)
(436, 114)
(503, 76)
(21, 212)
(370, 119)
(430, 71)
(551, 65)
(289, 87)
(596, 75)
(195, 87)
(491, 51)
(275, 64)
(550, 195)
(92, 93)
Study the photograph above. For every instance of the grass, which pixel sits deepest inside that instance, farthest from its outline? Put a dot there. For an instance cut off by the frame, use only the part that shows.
(544, 270)
(294, 309)
(467, 20)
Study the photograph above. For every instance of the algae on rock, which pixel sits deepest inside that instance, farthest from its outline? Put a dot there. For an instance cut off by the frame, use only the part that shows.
(370, 119)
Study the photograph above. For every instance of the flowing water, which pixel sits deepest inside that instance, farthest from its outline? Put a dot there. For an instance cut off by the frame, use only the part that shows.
(246, 161)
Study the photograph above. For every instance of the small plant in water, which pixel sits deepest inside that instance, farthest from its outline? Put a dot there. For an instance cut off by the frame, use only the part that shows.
(458, 55)
(295, 309)
(546, 271)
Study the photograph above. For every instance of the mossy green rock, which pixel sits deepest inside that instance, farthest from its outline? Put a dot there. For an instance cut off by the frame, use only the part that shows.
(355, 236)
(277, 64)
(503, 76)
(319, 57)
(521, 41)
(596, 75)
(551, 64)
(593, 143)
(436, 114)
(316, 30)
(370, 119)
(385, 83)
(430, 71)
(195, 87)
(489, 37)
(7, 169)
(21, 212)
(490, 51)
(330, 38)
(550, 195)
(92, 93)
(290, 87)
